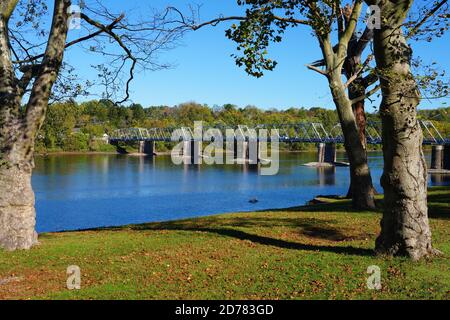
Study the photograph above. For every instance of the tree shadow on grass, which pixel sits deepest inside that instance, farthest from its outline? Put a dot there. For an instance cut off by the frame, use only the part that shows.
(438, 204)
(342, 206)
(263, 240)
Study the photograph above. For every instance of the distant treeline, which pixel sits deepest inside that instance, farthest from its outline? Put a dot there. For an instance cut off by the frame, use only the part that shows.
(72, 126)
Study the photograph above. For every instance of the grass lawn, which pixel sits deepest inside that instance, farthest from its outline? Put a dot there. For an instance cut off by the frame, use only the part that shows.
(315, 252)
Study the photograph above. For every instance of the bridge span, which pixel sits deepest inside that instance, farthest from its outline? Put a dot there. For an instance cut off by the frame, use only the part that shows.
(303, 132)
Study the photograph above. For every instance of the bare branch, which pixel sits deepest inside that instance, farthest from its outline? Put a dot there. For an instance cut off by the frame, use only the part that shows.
(427, 16)
(76, 41)
(318, 70)
(215, 22)
(128, 52)
(362, 43)
(351, 26)
(358, 73)
(367, 95)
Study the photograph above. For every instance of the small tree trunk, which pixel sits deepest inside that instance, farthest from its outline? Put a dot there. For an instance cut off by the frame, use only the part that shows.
(361, 187)
(17, 213)
(357, 182)
(404, 228)
(360, 177)
(361, 121)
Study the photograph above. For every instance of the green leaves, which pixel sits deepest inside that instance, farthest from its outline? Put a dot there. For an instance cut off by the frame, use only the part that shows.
(266, 22)
(256, 33)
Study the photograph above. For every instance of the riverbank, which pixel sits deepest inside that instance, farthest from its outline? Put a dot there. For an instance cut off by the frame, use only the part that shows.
(310, 252)
(62, 153)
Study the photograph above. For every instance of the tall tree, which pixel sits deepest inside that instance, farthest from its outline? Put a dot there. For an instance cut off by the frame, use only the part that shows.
(405, 227)
(28, 75)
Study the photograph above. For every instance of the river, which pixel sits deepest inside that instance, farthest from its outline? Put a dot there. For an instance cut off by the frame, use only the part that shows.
(86, 191)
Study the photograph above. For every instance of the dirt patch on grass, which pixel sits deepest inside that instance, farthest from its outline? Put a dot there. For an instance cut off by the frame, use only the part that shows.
(29, 284)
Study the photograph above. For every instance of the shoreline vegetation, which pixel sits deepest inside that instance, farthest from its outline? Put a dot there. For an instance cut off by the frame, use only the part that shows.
(80, 127)
(317, 251)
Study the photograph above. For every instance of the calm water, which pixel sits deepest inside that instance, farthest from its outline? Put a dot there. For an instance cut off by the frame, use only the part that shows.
(85, 191)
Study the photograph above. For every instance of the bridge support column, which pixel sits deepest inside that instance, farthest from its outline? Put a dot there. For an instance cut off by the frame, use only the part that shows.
(326, 152)
(446, 162)
(196, 152)
(330, 153)
(437, 157)
(254, 152)
(321, 152)
(241, 151)
(192, 152)
(147, 148)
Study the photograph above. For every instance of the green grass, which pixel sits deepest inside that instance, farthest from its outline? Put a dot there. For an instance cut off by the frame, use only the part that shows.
(316, 252)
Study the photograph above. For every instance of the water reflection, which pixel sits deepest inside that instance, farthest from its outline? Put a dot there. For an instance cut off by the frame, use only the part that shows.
(327, 176)
(440, 179)
(84, 191)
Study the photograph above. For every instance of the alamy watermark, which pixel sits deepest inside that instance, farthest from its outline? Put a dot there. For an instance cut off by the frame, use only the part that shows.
(374, 17)
(74, 22)
(231, 146)
(74, 278)
(374, 280)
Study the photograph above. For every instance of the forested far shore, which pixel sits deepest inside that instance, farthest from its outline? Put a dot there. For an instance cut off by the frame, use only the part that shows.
(80, 127)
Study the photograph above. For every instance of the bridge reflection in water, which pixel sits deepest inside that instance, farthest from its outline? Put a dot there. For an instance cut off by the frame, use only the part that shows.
(87, 191)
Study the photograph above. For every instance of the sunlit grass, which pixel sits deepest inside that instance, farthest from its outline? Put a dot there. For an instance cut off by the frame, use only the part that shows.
(316, 252)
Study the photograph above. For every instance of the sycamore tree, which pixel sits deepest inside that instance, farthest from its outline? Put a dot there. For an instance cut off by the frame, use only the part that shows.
(34, 36)
(405, 227)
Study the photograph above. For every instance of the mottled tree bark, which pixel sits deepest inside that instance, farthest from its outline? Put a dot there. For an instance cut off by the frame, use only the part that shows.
(17, 213)
(405, 229)
(18, 129)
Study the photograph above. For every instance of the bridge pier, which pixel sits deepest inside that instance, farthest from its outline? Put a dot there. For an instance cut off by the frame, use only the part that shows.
(437, 157)
(330, 153)
(247, 152)
(321, 152)
(326, 153)
(446, 161)
(240, 151)
(147, 148)
(254, 153)
(192, 151)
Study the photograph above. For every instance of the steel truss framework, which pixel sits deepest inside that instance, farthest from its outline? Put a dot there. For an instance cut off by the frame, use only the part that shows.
(303, 132)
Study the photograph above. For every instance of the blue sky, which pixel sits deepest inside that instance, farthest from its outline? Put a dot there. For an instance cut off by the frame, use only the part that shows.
(203, 70)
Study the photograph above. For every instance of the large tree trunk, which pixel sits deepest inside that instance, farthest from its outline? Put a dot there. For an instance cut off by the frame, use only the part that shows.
(17, 213)
(404, 228)
(18, 129)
